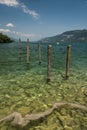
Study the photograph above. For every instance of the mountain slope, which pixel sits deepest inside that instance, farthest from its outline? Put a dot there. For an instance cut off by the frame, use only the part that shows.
(68, 36)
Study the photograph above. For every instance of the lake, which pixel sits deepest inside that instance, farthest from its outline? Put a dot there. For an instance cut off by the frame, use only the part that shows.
(23, 87)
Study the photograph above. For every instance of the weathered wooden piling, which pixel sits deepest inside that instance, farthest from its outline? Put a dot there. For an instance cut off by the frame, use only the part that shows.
(48, 62)
(28, 51)
(68, 61)
(39, 53)
(19, 49)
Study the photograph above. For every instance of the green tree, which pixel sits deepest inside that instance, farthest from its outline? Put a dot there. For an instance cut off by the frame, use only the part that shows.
(5, 39)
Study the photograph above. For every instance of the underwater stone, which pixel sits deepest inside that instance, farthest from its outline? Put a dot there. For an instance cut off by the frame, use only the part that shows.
(7, 96)
(63, 111)
(67, 128)
(23, 110)
(76, 127)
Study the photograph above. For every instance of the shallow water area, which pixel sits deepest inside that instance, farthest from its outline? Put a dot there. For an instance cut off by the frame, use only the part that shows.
(23, 87)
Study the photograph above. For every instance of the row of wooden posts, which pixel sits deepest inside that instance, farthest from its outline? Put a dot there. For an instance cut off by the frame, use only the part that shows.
(49, 48)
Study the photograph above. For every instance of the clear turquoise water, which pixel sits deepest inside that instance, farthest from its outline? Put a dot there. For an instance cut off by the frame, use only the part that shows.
(24, 89)
(9, 53)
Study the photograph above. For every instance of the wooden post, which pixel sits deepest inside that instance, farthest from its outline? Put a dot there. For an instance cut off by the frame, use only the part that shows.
(68, 61)
(20, 48)
(48, 62)
(28, 41)
(39, 53)
(28, 52)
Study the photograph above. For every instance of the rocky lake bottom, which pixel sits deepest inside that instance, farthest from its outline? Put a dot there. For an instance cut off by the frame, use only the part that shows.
(23, 88)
